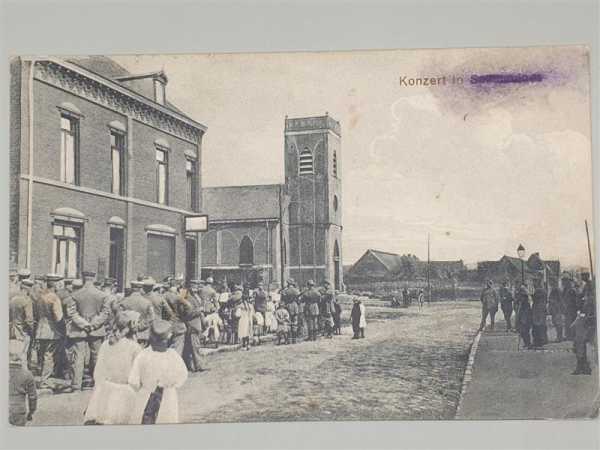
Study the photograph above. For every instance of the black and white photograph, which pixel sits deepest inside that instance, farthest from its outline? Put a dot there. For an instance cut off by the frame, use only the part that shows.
(386, 235)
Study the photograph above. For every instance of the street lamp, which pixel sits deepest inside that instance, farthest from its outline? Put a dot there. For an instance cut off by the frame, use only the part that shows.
(521, 253)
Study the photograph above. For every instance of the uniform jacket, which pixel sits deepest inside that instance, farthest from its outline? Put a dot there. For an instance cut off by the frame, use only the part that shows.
(506, 297)
(555, 304)
(489, 298)
(283, 320)
(292, 308)
(312, 298)
(21, 387)
(181, 307)
(524, 317)
(195, 314)
(210, 299)
(20, 316)
(571, 301)
(288, 294)
(260, 301)
(50, 315)
(355, 314)
(92, 307)
(539, 307)
(137, 302)
(162, 310)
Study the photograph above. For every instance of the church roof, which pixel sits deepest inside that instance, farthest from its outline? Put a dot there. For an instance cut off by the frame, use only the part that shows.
(239, 203)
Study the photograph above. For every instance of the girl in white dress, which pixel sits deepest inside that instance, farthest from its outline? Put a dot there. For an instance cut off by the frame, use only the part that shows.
(110, 403)
(157, 373)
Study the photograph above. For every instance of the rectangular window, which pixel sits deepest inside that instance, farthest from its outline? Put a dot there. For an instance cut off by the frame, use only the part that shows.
(117, 154)
(69, 149)
(191, 186)
(160, 257)
(162, 176)
(66, 249)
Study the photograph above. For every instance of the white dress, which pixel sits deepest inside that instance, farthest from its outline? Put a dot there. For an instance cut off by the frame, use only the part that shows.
(111, 401)
(270, 321)
(362, 323)
(245, 314)
(151, 369)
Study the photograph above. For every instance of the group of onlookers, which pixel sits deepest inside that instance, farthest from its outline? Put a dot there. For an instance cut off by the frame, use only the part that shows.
(572, 308)
(78, 334)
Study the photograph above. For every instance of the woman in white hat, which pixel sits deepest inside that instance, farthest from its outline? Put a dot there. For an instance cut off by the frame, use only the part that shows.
(157, 373)
(110, 403)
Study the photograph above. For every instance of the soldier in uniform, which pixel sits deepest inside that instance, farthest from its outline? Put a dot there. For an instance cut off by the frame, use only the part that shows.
(48, 332)
(87, 316)
(181, 309)
(525, 317)
(20, 318)
(539, 309)
(326, 308)
(162, 310)
(140, 304)
(506, 304)
(312, 298)
(556, 310)
(260, 304)
(194, 319)
(209, 297)
(289, 297)
(489, 305)
(571, 304)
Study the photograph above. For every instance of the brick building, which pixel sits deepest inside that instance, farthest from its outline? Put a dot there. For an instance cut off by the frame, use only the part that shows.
(103, 171)
(294, 229)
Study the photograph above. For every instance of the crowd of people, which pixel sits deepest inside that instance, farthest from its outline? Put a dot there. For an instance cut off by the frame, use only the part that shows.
(571, 307)
(137, 347)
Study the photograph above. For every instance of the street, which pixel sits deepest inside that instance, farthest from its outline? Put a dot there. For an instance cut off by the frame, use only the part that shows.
(409, 366)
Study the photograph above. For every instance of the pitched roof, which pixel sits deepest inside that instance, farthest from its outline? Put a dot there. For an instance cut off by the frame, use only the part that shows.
(108, 68)
(391, 261)
(237, 203)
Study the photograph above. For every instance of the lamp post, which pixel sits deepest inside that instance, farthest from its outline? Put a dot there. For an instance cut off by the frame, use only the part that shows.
(521, 253)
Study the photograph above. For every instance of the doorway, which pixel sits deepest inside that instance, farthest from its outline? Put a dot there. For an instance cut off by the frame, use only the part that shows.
(116, 256)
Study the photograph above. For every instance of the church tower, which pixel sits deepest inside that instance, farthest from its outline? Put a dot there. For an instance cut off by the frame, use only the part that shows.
(313, 185)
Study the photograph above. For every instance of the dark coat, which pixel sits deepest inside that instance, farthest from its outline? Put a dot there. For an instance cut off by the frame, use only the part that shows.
(20, 316)
(21, 387)
(92, 307)
(50, 316)
(355, 314)
(137, 302)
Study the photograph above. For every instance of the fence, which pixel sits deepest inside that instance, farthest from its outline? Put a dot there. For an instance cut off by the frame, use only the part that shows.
(440, 290)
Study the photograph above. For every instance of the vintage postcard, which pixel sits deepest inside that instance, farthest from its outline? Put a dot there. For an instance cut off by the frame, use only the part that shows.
(368, 235)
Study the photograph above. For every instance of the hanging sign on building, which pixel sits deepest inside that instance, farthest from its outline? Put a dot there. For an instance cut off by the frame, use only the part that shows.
(196, 223)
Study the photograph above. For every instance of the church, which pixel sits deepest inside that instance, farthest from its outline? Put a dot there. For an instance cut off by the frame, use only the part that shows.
(271, 233)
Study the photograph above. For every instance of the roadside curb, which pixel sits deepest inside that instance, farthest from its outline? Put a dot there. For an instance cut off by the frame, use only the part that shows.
(468, 372)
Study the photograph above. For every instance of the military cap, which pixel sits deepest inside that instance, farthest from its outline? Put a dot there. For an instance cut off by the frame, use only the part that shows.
(326, 283)
(291, 282)
(210, 280)
(260, 284)
(76, 283)
(24, 273)
(311, 283)
(124, 318)
(27, 282)
(135, 283)
(157, 286)
(161, 329)
(149, 281)
(53, 277)
(88, 274)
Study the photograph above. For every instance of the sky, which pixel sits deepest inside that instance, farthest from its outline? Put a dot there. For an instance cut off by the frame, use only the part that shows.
(480, 167)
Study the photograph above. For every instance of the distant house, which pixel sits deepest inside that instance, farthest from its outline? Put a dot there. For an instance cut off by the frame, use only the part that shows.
(514, 269)
(377, 265)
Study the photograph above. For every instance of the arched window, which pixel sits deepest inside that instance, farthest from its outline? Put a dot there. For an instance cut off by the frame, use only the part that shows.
(335, 163)
(306, 162)
(246, 252)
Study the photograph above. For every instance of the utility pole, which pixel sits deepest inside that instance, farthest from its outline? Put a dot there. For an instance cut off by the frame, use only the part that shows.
(428, 273)
(587, 232)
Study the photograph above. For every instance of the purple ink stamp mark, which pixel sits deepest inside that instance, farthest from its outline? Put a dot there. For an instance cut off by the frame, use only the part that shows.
(506, 78)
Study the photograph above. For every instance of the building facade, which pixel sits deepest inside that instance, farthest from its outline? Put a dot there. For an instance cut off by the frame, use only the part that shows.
(103, 171)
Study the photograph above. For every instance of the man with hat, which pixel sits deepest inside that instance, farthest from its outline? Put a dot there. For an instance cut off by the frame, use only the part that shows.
(571, 303)
(16, 279)
(556, 310)
(209, 297)
(87, 316)
(48, 332)
(193, 315)
(135, 301)
(538, 311)
(260, 303)
(312, 298)
(326, 308)
(506, 304)
(289, 297)
(162, 310)
(20, 318)
(489, 305)
(524, 318)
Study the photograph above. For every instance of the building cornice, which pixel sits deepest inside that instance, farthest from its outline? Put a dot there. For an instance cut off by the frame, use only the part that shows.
(99, 193)
(224, 221)
(112, 95)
